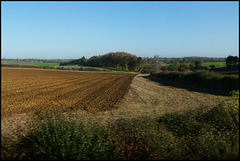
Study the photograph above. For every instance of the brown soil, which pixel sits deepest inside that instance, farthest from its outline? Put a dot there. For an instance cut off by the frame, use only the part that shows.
(27, 90)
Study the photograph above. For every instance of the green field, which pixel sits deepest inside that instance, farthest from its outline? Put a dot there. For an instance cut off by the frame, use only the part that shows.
(207, 64)
(54, 65)
(216, 64)
(30, 63)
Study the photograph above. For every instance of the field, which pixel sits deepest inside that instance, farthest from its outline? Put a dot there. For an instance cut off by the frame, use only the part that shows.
(120, 117)
(216, 64)
(15, 64)
(26, 90)
(30, 63)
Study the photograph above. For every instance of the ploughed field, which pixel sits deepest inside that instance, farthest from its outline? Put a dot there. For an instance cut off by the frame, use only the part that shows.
(28, 90)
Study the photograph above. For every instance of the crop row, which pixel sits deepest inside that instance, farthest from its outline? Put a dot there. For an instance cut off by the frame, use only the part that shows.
(30, 89)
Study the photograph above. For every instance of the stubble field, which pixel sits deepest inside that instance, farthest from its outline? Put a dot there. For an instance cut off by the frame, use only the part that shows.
(28, 90)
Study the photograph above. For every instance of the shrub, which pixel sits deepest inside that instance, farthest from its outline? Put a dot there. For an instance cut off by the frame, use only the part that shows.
(58, 137)
(211, 134)
(147, 69)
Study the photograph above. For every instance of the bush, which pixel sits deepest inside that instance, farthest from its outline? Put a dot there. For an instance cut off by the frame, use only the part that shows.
(147, 69)
(57, 137)
(181, 125)
(225, 115)
(211, 134)
(60, 68)
(47, 67)
(139, 139)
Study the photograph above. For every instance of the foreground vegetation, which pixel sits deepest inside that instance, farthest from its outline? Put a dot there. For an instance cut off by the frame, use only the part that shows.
(200, 134)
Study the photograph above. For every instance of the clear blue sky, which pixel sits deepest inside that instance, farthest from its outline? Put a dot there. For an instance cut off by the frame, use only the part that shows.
(70, 30)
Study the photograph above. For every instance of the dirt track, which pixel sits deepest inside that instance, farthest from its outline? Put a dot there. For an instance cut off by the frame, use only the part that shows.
(144, 98)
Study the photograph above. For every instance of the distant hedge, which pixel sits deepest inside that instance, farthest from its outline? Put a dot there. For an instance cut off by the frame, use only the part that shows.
(205, 79)
(22, 66)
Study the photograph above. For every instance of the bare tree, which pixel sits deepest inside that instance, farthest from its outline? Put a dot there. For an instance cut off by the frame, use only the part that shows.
(156, 63)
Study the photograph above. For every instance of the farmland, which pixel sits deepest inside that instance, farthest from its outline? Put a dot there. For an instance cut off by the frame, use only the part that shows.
(111, 116)
(29, 63)
(27, 90)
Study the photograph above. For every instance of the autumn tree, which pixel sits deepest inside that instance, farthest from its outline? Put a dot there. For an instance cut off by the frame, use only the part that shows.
(118, 60)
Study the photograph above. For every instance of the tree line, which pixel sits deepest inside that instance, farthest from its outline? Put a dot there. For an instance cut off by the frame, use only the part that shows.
(191, 59)
(127, 61)
(117, 60)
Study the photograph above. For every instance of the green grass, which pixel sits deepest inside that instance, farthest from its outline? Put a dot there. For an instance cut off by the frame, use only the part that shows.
(30, 63)
(203, 134)
(216, 64)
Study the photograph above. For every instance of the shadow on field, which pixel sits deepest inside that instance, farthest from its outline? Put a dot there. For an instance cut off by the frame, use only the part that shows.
(178, 84)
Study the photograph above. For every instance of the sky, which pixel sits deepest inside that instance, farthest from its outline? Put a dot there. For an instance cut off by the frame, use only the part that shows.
(72, 29)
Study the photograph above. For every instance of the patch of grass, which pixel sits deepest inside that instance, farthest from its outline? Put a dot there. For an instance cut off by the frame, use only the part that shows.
(216, 64)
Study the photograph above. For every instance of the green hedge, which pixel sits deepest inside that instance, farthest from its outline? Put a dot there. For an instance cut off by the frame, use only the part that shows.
(205, 79)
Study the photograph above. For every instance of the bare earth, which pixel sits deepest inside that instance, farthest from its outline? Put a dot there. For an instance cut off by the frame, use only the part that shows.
(144, 98)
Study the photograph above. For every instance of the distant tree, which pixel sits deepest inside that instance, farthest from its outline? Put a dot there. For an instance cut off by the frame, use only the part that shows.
(212, 67)
(118, 60)
(164, 68)
(183, 67)
(132, 65)
(140, 61)
(172, 67)
(94, 61)
(177, 64)
(191, 66)
(198, 64)
(82, 61)
(232, 60)
(156, 63)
